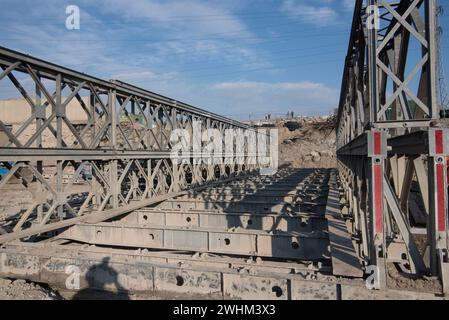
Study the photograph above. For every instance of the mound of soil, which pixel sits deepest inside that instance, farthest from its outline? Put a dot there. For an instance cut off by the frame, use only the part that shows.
(307, 142)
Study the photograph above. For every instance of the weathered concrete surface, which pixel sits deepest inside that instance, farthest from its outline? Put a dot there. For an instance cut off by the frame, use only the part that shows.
(131, 274)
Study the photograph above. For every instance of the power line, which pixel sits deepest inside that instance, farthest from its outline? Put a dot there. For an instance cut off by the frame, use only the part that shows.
(256, 70)
(140, 48)
(204, 76)
(221, 33)
(268, 61)
(250, 70)
(195, 18)
(306, 49)
(183, 39)
(442, 85)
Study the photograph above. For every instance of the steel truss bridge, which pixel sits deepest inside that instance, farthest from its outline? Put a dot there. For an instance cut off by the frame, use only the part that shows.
(392, 148)
(107, 194)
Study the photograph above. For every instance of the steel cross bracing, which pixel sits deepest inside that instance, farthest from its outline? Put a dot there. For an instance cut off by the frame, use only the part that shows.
(124, 147)
(392, 148)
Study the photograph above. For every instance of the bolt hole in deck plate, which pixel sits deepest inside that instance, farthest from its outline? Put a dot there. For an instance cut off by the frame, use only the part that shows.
(188, 219)
(295, 245)
(151, 236)
(277, 291)
(227, 241)
(249, 287)
(179, 281)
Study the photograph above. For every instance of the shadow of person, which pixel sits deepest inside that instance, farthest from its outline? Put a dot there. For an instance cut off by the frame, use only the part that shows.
(103, 284)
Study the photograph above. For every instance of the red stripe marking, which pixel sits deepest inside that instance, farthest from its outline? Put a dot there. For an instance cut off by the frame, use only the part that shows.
(441, 191)
(378, 198)
(439, 142)
(377, 143)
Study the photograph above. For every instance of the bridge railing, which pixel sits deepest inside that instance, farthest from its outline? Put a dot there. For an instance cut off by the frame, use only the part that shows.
(392, 149)
(124, 156)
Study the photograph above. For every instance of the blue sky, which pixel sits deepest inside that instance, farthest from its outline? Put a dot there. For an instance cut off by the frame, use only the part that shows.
(233, 57)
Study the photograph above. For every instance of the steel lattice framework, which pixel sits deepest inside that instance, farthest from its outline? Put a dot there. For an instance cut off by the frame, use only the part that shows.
(392, 153)
(129, 159)
(392, 149)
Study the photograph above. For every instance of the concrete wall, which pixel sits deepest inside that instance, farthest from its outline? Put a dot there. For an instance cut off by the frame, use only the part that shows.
(18, 110)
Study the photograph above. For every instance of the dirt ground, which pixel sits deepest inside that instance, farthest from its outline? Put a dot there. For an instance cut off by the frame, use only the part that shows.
(23, 290)
(397, 280)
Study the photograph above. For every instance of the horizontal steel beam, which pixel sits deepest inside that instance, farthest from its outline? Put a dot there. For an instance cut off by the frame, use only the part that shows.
(401, 124)
(357, 147)
(37, 154)
(49, 70)
(415, 143)
(241, 206)
(250, 221)
(266, 198)
(300, 246)
(43, 154)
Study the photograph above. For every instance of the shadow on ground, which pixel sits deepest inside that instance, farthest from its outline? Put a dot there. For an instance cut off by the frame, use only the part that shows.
(103, 283)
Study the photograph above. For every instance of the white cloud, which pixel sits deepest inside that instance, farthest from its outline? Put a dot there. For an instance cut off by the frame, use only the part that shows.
(150, 65)
(320, 15)
(261, 97)
(193, 17)
(142, 77)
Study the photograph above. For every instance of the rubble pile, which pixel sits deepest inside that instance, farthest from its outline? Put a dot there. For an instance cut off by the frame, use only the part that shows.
(307, 142)
(22, 290)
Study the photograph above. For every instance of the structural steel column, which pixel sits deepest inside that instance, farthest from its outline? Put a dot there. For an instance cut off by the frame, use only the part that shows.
(438, 200)
(377, 154)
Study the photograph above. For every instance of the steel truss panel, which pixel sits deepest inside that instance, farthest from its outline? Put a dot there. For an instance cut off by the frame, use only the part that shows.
(389, 97)
(124, 145)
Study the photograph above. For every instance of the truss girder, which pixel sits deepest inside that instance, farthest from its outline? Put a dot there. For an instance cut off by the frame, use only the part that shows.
(392, 148)
(116, 159)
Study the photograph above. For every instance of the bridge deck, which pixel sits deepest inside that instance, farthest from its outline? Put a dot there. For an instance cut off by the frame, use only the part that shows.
(224, 233)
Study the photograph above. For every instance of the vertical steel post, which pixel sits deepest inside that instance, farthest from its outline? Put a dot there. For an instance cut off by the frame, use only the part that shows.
(372, 65)
(40, 118)
(113, 165)
(438, 203)
(377, 154)
(59, 167)
(432, 74)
